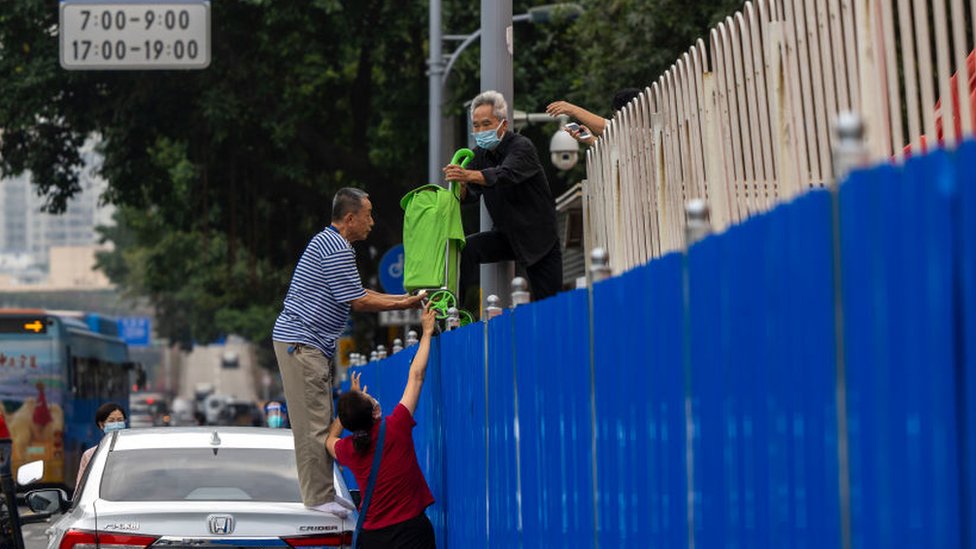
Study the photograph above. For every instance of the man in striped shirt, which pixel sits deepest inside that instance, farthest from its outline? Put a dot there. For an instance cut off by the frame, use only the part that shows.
(324, 287)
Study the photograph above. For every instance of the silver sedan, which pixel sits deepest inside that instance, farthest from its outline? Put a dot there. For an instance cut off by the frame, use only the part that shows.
(199, 487)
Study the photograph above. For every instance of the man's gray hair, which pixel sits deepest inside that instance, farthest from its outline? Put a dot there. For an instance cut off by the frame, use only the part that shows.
(499, 107)
(347, 200)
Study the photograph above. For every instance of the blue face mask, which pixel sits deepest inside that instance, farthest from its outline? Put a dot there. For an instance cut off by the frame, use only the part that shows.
(488, 139)
(113, 426)
(276, 421)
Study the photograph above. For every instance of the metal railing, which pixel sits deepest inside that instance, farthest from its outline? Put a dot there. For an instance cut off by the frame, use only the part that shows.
(744, 123)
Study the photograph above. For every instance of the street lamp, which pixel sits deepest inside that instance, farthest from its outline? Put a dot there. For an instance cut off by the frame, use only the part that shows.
(439, 70)
(540, 14)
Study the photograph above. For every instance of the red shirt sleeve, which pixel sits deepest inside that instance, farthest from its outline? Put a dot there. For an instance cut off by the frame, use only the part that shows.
(401, 419)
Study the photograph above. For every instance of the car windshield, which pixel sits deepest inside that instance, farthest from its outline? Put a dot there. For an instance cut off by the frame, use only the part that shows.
(201, 474)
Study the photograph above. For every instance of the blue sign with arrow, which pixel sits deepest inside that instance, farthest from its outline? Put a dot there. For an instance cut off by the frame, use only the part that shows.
(391, 270)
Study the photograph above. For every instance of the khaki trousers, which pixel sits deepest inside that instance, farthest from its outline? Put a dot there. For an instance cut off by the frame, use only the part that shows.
(306, 374)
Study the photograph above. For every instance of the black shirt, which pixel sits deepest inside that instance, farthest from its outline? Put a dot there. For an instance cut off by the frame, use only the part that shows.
(517, 196)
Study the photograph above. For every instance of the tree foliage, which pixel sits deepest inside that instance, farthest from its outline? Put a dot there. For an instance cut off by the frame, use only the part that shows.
(630, 43)
(222, 175)
(225, 173)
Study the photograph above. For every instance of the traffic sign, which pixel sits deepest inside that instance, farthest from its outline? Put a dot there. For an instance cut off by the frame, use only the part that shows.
(135, 330)
(391, 270)
(135, 35)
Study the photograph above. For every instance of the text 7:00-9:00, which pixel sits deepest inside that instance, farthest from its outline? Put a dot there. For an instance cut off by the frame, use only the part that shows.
(170, 19)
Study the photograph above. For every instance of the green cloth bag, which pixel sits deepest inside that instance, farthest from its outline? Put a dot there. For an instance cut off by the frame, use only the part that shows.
(431, 223)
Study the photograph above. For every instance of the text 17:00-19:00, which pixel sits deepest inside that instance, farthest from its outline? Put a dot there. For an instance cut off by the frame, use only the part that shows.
(82, 50)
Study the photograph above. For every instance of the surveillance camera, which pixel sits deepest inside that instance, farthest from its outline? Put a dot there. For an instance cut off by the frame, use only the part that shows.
(564, 150)
(564, 160)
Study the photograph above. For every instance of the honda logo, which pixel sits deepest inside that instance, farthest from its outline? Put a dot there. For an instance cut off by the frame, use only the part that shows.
(220, 524)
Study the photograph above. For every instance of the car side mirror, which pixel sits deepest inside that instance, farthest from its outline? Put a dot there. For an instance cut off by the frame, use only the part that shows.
(30, 472)
(47, 501)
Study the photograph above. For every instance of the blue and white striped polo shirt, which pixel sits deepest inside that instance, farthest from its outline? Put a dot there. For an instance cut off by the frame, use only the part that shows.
(317, 303)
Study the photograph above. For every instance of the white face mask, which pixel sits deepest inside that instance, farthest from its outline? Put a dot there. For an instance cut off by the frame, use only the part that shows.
(113, 426)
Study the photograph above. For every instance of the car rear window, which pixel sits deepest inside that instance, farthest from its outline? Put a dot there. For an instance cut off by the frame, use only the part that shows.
(201, 474)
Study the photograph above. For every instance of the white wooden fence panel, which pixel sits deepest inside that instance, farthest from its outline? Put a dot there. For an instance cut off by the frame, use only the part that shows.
(941, 36)
(907, 33)
(674, 186)
(723, 127)
(745, 121)
(788, 134)
(692, 142)
(839, 55)
(890, 64)
(815, 115)
(925, 67)
(751, 141)
(633, 236)
(960, 54)
(850, 48)
(767, 179)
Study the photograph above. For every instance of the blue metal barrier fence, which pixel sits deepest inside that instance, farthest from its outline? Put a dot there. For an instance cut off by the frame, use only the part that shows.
(733, 396)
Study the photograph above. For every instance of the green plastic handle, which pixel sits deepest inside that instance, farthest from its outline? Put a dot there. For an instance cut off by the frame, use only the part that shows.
(462, 157)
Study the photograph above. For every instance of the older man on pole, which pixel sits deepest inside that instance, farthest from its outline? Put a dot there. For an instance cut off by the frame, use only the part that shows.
(323, 290)
(507, 172)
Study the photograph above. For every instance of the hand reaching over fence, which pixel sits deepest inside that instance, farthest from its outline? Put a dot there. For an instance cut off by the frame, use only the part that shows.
(595, 123)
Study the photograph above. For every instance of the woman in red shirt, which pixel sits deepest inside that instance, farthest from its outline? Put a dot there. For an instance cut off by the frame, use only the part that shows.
(395, 518)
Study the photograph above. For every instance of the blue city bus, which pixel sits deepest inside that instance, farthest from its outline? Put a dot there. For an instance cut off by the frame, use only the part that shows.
(56, 369)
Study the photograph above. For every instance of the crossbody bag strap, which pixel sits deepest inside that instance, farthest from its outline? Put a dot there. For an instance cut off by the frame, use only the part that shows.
(368, 494)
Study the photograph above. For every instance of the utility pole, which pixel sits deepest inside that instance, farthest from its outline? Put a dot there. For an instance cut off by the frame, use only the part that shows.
(435, 71)
(496, 74)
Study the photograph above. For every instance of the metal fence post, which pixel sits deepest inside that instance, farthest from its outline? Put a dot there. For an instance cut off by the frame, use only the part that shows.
(381, 352)
(397, 345)
(493, 309)
(520, 292)
(697, 223)
(599, 270)
(599, 265)
(453, 321)
(697, 227)
(850, 151)
(412, 338)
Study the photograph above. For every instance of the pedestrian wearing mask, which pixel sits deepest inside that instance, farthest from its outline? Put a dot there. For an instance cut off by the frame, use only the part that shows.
(276, 414)
(506, 171)
(109, 417)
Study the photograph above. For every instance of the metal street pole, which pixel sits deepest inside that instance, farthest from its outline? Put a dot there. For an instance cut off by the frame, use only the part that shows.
(435, 68)
(496, 74)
